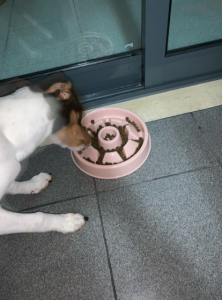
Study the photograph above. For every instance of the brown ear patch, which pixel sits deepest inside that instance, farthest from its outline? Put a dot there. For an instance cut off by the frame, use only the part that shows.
(61, 89)
(65, 93)
(74, 117)
(73, 135)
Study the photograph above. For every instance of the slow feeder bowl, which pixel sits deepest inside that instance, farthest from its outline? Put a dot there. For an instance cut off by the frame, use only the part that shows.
(117, 167)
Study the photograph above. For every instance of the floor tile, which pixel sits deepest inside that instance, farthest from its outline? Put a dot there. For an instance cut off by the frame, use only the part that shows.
(68, 181)
(28, 13)
(5, 15)
(110, 26)
(210, 121)
(164, 237)
(50, 266)
(177, 146)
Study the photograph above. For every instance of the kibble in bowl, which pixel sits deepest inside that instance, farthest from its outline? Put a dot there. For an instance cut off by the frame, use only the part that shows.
(120, 143)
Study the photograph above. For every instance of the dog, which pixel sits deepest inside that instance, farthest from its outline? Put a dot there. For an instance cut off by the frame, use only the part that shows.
(28, 116)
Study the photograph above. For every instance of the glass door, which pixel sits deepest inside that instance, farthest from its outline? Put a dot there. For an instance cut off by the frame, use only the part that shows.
(112, 50)
(39, 35)
(194, 22)
(183, 43)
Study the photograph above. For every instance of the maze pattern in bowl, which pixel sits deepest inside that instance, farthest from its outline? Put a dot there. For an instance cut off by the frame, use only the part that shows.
(115, 116)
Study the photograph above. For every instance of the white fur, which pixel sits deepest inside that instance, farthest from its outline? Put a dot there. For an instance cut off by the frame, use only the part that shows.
(32, 186)
(25, 122)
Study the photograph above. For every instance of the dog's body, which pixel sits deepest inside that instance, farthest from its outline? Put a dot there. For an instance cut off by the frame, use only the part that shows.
(27, 118)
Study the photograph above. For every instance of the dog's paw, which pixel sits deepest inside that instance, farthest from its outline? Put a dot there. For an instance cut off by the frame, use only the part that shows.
(71, 223)
(40, 182)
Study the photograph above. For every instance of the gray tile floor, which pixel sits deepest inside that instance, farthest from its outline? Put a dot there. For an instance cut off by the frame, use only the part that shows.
(153, 235)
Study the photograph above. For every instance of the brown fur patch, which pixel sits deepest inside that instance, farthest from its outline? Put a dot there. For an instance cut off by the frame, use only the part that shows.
(73, 134)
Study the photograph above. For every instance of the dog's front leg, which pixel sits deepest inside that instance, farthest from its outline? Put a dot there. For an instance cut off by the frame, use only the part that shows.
(11, 222)
(32, 186)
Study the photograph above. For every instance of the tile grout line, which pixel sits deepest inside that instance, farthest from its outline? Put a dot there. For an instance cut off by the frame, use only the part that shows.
(114, 189)
(161, 177)
(105, 242)
(205, 138)
(56, 202)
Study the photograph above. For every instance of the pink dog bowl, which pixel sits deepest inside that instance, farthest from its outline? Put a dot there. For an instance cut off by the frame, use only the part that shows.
(119, 168)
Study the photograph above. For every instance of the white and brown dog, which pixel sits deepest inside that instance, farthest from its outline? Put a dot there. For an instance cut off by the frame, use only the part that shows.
(27, 117)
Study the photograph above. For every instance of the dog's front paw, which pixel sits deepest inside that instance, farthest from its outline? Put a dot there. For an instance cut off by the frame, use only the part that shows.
(40, 182)
(71, 223)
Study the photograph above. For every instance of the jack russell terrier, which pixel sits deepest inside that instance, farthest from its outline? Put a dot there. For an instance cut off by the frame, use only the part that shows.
(27, 117)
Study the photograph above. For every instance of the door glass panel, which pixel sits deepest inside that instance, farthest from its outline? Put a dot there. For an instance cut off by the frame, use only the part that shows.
(193, 22)
(37, 35)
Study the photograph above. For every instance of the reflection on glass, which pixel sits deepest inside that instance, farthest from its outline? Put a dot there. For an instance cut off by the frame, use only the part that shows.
(194, 22)
(36, 35)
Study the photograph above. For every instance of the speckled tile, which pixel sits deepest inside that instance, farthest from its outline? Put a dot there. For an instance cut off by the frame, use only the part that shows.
(164, 237)
(210, 121)
(51, 266)
(68, 181)
(177, 146)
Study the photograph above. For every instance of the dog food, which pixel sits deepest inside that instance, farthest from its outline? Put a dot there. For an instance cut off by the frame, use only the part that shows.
(108, 137)
(133, 123)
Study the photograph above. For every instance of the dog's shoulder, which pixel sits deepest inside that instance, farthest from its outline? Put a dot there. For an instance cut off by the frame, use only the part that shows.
(27, 118)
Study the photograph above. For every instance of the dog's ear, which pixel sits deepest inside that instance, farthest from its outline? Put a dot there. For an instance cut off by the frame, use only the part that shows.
(65, 93)
(61, 90)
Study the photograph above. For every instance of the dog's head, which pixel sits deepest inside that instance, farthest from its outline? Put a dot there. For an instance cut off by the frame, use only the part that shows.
(72, 135)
